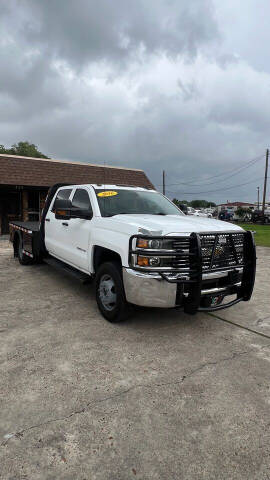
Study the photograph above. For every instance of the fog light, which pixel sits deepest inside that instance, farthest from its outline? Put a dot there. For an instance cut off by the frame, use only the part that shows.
(154, 261)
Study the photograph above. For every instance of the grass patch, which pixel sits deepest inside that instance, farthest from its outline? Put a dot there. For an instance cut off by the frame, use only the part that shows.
(262, 236)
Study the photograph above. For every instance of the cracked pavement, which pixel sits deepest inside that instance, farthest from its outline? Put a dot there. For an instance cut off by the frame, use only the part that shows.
(162, 396)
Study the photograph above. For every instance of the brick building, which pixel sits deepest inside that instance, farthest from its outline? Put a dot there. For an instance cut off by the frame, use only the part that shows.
(233, 206)
(24, 182)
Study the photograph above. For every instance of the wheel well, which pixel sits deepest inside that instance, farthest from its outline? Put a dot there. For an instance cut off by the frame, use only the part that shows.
(16, 241)
(102, 255)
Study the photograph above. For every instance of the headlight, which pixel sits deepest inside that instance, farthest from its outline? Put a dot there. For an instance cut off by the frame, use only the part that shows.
(159, 254)
(150, 253)
(154, 244)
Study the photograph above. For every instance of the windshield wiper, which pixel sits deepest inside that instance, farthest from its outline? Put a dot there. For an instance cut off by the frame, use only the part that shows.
(129, 213)
(119, 213)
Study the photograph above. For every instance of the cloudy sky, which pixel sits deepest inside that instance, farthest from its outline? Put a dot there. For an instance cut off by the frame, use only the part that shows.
(151, 84)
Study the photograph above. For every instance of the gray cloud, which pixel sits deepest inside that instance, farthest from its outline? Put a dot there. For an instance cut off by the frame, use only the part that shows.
(81, 31)
(153, 85)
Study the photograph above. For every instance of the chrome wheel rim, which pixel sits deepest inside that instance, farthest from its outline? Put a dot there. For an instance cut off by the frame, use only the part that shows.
(107, 292)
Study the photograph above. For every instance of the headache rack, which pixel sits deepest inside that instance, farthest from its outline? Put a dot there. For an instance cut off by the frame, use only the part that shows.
(195, 257)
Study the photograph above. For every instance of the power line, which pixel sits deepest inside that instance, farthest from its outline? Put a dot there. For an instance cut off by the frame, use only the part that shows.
(223, 179)
(219, 189)
(236, 170)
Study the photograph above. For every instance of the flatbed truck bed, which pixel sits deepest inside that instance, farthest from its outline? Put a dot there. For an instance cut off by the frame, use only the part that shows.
(28, 226)
(26, 235)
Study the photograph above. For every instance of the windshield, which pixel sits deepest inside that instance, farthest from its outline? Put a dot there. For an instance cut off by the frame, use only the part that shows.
(117, 202)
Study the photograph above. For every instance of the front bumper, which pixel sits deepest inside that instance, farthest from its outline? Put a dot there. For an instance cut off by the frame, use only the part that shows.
(152, 290)
(148, 290)
(157, 289)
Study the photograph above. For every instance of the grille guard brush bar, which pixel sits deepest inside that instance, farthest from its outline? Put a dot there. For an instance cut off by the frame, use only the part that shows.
(195, 266)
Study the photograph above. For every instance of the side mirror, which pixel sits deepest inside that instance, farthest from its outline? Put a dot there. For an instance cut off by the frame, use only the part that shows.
(81, 213)
(62, 208)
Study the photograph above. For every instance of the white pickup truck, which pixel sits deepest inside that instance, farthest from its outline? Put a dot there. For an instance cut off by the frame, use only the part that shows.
(139, 248)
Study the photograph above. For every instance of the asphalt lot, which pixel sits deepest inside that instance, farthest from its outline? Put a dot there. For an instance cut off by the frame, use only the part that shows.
(162, 396)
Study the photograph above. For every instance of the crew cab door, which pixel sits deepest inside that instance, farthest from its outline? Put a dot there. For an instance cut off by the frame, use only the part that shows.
(56, 234)
(79, 230)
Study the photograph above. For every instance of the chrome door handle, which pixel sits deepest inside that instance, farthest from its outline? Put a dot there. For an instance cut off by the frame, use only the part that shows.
(65, 224)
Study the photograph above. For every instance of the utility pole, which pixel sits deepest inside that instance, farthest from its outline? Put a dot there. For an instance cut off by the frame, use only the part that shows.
(265, 182)
(258, 188)
(163, 182)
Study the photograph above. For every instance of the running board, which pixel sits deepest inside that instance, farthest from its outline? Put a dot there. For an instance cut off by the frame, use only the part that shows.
(65, 268)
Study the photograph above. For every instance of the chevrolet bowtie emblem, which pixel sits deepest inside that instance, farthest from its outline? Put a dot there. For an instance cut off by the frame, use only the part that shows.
(219, 250)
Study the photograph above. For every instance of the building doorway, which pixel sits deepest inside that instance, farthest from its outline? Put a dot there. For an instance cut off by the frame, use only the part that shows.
(10, 209)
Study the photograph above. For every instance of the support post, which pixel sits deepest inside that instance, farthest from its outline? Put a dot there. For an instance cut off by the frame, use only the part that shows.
(163, 182)
(265, 182)
(25, 206)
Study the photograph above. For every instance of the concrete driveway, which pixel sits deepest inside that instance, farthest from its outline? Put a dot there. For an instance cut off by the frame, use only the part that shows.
(162, 396)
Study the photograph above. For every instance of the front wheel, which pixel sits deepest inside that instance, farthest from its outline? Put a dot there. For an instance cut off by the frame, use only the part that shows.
(110, 295)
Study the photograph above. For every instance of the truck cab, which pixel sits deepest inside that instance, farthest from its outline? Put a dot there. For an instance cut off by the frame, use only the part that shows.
(141, 250)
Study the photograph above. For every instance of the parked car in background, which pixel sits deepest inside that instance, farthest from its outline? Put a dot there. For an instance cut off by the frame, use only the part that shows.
(209, 211)
(196, 212)
(225, 215)
(244, 217)
(190, 211)
(257, 216)
(200, 213)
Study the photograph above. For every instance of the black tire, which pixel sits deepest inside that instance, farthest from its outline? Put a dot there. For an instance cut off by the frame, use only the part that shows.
(23, 259)
(110, 295)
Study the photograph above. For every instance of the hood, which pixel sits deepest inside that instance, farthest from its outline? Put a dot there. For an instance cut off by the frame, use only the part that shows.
(173, 224)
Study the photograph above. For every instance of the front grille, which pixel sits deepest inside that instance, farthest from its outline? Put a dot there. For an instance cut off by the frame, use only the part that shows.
(221, 250)
(182, 261)
(181, 243)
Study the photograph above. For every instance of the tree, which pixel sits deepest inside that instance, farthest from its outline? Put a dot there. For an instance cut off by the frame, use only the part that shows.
(243, 213)
(24, 149)
(201, 204)
(180, 202)
(194, 203)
